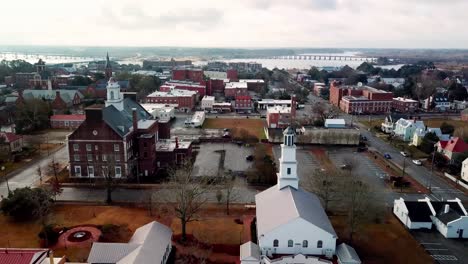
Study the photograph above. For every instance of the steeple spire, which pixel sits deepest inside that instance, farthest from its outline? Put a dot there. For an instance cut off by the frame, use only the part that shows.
(108, 68)
(287, 175)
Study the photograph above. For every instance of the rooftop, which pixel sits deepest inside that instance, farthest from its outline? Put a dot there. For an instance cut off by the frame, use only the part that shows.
(208, 98)
(252, 80)
(406, 100)
(68, 117)
(236, 85)
(170, 145)
(173, 93)
(280, 109)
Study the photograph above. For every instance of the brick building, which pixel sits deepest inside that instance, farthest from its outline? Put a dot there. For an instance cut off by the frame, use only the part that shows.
(256, 85)
(404, 105)
(66, 121)
(118, 139)
(281, 115)
(60, 100)
(243, 103)
(184, 85)
(360, 99)
(234, 89)
(184, 99)
(182, 74)
(232, 75)
(215, 86)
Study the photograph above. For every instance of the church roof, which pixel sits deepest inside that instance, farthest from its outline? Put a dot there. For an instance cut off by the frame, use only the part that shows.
(122, 121)
(278, 207)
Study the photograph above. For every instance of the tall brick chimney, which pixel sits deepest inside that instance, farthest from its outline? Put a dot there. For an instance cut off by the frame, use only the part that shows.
(293, 106)
(135, 120)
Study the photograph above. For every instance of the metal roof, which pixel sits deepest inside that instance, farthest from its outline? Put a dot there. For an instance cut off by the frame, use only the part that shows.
(347, 254)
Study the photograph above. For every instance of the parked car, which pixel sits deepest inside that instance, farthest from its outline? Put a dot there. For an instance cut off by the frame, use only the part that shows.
(387, 156)
(361, 149)
(417, 162)
(363, 138)
(249, 158)
(404, 154)
(345, 167)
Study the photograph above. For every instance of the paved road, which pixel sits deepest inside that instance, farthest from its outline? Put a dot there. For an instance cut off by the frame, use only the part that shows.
(28, 176)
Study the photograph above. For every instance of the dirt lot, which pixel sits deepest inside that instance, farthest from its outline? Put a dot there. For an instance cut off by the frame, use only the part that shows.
(254, 127)
(388, 242)
(212, 222)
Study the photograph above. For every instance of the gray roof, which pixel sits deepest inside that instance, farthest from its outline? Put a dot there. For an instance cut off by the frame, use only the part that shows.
(347, 255)
(66, 95)
(121, 121)
(147, 245)
(249, 250)
(278, 207)
(110, 252)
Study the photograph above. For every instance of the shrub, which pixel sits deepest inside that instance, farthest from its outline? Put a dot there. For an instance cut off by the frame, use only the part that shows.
(49, 235)
(25, 204)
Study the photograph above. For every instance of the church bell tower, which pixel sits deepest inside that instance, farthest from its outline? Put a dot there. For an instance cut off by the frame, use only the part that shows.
(287, 175)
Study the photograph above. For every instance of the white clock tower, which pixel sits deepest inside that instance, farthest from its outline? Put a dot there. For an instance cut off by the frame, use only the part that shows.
(287, 175)
(114, 96)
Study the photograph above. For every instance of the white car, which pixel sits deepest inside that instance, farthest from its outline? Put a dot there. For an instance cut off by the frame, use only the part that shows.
(417, 162)
(404, 154)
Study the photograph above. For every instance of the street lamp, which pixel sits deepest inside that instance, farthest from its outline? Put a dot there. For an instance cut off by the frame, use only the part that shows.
(6, 178)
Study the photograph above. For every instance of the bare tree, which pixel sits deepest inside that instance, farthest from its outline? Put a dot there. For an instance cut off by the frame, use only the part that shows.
(39, 173)
(230, 193)
(327, 185)
(54, 168)
(188, 196)
(109, 181)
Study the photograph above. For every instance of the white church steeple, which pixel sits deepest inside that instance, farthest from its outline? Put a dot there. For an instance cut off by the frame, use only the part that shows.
(114, 96)
(287, 175)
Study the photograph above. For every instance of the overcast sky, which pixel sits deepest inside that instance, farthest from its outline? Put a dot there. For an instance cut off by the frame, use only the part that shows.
(237, 23)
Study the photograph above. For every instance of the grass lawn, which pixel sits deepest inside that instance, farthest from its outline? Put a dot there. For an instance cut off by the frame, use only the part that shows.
(387, 242)
(253, 126)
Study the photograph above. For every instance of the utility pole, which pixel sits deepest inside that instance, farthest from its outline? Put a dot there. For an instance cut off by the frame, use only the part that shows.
(432, 170)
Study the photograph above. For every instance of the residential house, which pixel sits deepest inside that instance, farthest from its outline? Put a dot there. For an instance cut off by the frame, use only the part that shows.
(66, 121)
(11, 142)
(452, 148)
(420, 133)
(459, 105)
(405, 128)
(60, 100)
(464, 170)
(150, 243)
(302, 227)
(388, 125)
(449, 217)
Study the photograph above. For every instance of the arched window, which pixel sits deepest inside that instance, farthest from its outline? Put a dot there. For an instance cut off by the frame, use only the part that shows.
(319, 244)
(290, 243)
(305, 243)
(275, 243)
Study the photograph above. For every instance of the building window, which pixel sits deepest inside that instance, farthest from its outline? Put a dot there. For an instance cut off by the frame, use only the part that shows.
(275, 243)
(105, 170)
(288, 171)
(104, 157)
(76, 147)
(290, 243)
(91, 171)
(319, 244)
(76, 157)
(118, 172)
(305, 243)
(90, 157)
(78, 171)
(117, 157)
(88, 147)
(96, 147)
(116, 147)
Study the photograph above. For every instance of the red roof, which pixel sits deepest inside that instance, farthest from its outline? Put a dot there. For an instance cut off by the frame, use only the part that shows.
(456, 145)
(68, 117)
(22, 256)
(10, 137)
(443, 143)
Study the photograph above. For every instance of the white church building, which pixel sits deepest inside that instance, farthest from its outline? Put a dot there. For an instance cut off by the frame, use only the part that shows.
(291, 222)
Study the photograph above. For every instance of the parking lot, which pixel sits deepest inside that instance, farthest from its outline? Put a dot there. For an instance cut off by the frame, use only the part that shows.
(306, 161)
(209, 158)
(442, 250)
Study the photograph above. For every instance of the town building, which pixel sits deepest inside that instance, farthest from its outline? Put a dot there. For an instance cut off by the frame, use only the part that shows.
(318, 88)
(252, 67)
(266, 103)
(405, 105)
(165, 64)
(256, 85)
(184, 85)
(185, 100)
(449, 217)
(11, 143)
(215, 74)
(183, 74)
(397, 83)
(234, 89)
(452, 148)
(360, 99)
(117, 140)
(464, 170)
(161, 111)
(335, 123)
(151, 243)
(302, 227)
(243, 104)
(279, 117)
(60, 100)
(196, 120)
(222, 107)
(216, 86)
(405, 128)
(207, 102)
(66, 121)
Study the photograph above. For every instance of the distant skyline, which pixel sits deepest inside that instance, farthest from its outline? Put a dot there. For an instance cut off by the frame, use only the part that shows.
(243, 23)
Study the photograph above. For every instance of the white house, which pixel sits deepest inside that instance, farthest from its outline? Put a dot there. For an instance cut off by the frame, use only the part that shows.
(405, 128)
(388, 125)
(150, 243)
(449, 217)
(291, 221)
(207, 102)
(464, 171)
(421, 132)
